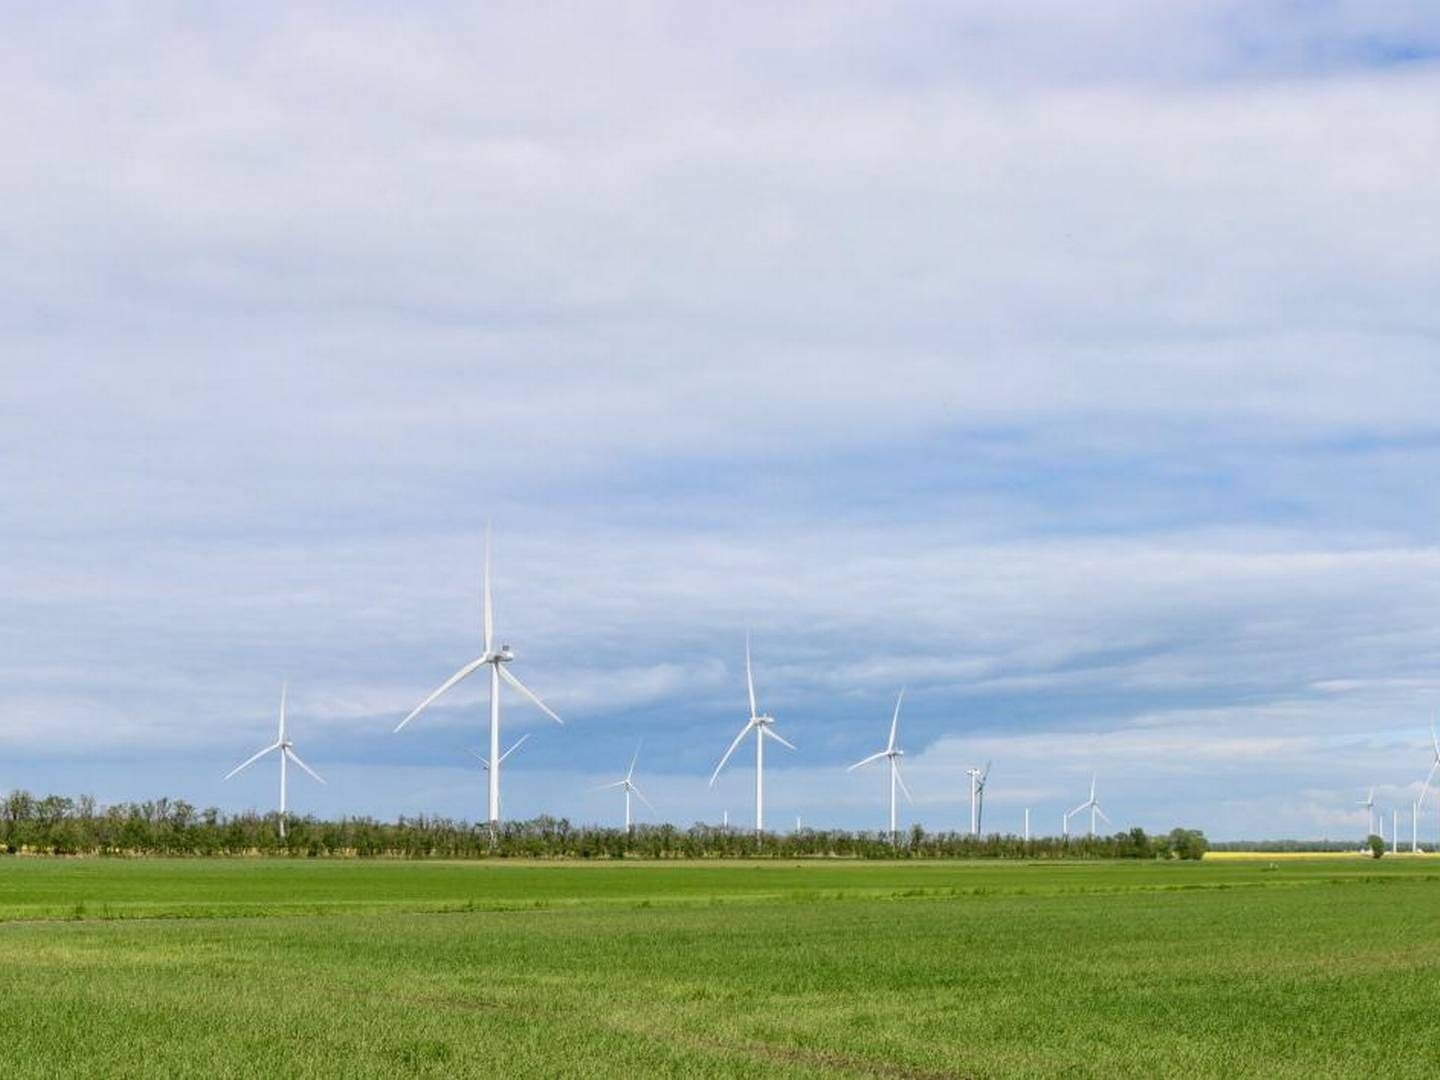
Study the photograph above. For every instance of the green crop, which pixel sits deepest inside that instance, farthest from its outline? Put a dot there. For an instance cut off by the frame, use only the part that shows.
(213, 968)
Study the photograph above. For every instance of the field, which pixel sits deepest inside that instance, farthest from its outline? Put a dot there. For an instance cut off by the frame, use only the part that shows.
(251, 968)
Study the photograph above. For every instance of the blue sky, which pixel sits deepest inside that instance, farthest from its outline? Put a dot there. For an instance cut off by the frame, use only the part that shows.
(1075, 370)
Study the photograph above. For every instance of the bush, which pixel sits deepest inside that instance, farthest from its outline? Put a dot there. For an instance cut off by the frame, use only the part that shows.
(1377, 846)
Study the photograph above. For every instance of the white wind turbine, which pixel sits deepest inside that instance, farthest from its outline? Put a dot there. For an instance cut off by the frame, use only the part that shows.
(892, 754)
(1369, 804)
(287, 753)
(977, 796)
(763, 726)
(1429, 777)
(628, 783)
(496, 659)
(1091, 804)
(485, 762)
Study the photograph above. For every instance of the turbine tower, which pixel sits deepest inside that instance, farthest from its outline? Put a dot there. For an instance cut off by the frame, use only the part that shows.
(977, 796)
(763, 726)
(495, 659)
(892, 754)
(1093, 805)
(1369, 804)
(628, 783)
(287, 753)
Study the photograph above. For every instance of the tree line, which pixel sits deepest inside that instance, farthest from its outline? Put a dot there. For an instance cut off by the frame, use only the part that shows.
(57, 825)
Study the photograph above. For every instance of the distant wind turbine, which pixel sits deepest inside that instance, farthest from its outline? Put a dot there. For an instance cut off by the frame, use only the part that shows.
(977, 796)
(287, 753)
(763, 726)
(485, 762)
(628, 783)
(496, 659)
(1430, 776)
(1369, 804)
(892, 754)
(1093, 805)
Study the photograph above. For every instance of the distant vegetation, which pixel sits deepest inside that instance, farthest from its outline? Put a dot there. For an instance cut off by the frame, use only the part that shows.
(57, 825)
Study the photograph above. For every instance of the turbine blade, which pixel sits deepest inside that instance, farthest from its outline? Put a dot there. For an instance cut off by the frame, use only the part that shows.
(489, 604)
(749, 676)
(1083, 806)
(518, 685)
(1435, 742)
(778, 738)
(866, 761)
(607, 787)
(1429, 777)
(639, 795)
(986, 774)
(464, 673)
(743, 732)
(514, 746)
(901, 781)
(895, 720)
(1103, 817)
(631, 771)
(284, 689)
(251, 760)
(484, 762)
(296, 758)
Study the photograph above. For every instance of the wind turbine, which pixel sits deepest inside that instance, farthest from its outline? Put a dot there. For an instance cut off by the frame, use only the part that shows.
(977, 796)
(1093, 805)
(763, 726)
(1430, 776)
(287, 753)
(1369, 804)
(496, 659)
(630, 789)
(485, 762)
(892, 754)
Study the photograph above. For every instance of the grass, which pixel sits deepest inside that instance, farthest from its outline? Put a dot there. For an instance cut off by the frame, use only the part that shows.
(250, 968)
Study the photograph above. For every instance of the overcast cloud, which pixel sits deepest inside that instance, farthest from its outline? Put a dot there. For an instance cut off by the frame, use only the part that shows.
(1073, 367)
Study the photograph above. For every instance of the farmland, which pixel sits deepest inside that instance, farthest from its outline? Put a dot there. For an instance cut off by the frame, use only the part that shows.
(211, 967)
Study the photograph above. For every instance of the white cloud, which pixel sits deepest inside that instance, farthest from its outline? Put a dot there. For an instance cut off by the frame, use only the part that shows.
(1019, 355)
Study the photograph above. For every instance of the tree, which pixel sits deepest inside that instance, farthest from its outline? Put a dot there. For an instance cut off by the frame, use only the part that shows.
(1188, 843)
(1377, 846)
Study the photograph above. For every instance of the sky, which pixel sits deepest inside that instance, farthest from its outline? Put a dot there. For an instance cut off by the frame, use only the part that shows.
(1071, 366)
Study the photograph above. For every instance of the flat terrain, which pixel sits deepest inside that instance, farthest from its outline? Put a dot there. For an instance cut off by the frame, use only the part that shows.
(253, 968)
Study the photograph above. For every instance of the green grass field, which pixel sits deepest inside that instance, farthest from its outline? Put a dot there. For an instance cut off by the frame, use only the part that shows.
(272, 968)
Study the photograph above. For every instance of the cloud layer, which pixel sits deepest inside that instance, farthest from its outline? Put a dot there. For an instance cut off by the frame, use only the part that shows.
(1074, 370)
